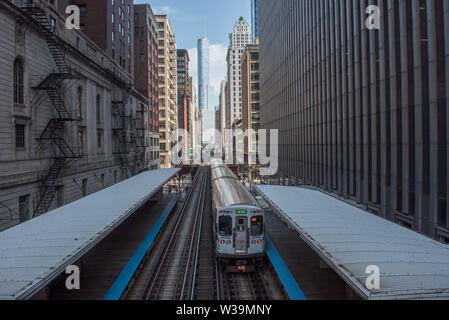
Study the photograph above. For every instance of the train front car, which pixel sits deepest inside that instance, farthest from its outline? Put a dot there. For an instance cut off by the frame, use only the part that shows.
(239, 228)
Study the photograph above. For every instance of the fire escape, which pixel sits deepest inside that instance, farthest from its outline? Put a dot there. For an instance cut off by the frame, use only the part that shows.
(54, 133)
(141, 139)
(121, 128)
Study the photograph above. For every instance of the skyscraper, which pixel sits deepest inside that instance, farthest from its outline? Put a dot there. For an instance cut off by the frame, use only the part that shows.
(184, 96)
(240, 37)
(205, 89)
(146, 74)
(168, 87)
(223, 109)
(203, 72)
(361, 113)
(254, 19)
(251, 100)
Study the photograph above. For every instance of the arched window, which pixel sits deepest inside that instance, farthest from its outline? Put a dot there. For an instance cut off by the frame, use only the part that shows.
(79, 96)
(18, 81)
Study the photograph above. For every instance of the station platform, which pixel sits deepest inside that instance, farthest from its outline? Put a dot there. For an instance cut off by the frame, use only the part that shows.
(36, 252)
(302, 263)
(350, 241)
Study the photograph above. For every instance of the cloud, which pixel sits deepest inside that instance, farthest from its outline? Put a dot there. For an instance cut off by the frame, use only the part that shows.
(165, 10)
(218, 67)
(176, 14)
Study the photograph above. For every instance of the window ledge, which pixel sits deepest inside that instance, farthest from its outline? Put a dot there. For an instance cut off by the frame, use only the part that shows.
(19, 105)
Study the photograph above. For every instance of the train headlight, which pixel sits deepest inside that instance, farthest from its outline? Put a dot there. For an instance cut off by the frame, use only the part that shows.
(259, 241)
(222, 242)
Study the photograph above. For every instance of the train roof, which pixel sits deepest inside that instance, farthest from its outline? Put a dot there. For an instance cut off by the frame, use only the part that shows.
(228, 190)
(222, 172)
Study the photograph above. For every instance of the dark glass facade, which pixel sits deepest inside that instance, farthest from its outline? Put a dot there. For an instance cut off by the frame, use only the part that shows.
(361, 113)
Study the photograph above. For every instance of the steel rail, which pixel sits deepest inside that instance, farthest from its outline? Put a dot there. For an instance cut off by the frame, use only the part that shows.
(193, 232)
(200, 226)
(171, 242)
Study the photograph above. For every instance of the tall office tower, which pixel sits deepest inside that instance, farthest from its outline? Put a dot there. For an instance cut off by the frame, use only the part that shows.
(168, 92)
(240, 37)
(361, 112)
(110, 24)
(217, 138)
(254, 19)
(222, 108)
(227, 104)
(184, 96)
(251, 100)
(194, 121)
(146, 75)
(203, 73)
(206, 91)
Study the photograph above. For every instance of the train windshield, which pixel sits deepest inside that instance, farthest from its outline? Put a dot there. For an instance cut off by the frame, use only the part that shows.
(257, 226)
(225, 226)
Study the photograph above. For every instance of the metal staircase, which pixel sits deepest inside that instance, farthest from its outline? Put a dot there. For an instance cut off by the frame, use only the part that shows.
(129, 134)
(63, 146)
(121, 131)
(140, 138)
(37, 11)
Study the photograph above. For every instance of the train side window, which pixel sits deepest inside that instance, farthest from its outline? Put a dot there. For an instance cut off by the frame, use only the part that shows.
(257, 226)
(225, 226)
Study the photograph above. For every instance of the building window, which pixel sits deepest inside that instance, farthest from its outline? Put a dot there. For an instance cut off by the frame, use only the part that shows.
(99, 111)
(60, 196)
(20, 136)
(102, 181)
(83, 10)
(99, 140)
(24, 208)
(78, 107)
(18, 81)
(84, 187)
(80, 141)
(52, 24)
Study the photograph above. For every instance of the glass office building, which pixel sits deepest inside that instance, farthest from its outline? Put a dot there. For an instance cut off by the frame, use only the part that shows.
(255, 18)
(203, 73)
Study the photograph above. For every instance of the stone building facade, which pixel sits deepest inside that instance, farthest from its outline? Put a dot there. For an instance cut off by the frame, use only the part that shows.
(70, 121)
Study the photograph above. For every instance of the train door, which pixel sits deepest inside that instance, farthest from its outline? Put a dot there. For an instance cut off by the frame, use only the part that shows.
(241, 228)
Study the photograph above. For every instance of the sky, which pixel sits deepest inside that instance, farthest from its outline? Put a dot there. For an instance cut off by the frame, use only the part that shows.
(194, 19)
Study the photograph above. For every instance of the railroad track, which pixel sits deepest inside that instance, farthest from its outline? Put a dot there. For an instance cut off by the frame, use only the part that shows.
(204, 276)
(175, 275)
(242, 286)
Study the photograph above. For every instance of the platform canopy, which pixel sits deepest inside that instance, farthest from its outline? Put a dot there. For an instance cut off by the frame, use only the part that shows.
(349, 240)
(33, 253)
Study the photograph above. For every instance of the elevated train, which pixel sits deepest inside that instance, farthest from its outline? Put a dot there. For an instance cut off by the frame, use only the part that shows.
(239, 222)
